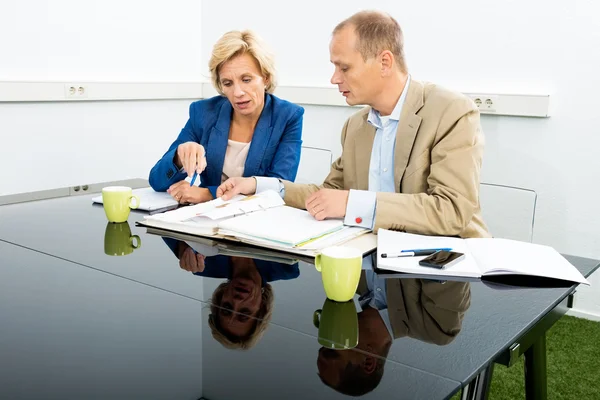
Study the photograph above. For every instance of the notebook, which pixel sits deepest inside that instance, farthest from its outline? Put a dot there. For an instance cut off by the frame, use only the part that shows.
(484, 257)
(150, 200)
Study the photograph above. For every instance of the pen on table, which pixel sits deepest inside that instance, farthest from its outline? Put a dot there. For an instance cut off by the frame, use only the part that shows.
(414, 252)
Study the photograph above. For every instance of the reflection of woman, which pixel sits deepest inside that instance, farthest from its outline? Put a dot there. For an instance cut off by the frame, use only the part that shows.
(241, 307)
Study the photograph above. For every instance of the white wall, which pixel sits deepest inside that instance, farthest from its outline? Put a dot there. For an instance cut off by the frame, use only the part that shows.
(509, 46)
(88, 41)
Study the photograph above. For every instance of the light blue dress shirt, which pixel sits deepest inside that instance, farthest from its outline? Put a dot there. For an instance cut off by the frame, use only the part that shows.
(361, 203)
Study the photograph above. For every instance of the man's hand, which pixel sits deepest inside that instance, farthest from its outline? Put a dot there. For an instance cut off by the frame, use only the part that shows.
(192, 157)
(328, 203)
(191, 261)
(234, 186)
(185, 194)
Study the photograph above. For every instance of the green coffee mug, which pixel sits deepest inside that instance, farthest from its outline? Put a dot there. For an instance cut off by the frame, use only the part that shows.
(340, 268)
(117, 201)
(118, 240)
(337, 324)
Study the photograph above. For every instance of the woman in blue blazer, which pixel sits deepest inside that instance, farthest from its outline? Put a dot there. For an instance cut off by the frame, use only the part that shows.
(247, 131)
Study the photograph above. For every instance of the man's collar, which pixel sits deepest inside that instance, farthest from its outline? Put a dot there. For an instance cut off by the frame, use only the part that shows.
(374, 117)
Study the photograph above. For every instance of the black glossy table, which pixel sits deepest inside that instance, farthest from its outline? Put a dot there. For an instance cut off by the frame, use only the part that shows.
(56, 278)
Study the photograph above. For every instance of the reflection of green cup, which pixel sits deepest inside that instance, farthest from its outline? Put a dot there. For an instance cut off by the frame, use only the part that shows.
(338, 325)
(118, 240)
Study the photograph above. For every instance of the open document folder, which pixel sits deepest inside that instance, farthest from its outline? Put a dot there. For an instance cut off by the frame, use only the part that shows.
(484, 257)
(262, 219)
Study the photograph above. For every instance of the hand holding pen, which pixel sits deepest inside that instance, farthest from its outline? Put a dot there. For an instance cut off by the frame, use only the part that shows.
(192, 157)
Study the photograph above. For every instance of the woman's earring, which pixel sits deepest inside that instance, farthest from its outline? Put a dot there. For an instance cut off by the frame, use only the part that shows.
(262, 290)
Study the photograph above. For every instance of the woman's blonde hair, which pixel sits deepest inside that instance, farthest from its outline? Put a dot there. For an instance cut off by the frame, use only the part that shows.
(262, 320)
(236, 43)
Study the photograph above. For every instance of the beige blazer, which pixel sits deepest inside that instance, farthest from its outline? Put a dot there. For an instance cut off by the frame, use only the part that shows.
(438, 155)
(425, 310)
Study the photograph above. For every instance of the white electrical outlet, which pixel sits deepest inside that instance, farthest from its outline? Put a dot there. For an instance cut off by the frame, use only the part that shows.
(75, 91)
(486, 103)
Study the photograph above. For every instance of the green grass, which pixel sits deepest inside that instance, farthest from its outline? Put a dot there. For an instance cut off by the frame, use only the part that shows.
(573, 364)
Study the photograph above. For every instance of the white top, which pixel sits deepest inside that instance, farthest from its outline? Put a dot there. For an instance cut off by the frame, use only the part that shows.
(235, 159)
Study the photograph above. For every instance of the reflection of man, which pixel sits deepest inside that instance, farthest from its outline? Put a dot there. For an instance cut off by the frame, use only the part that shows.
(241, 307)
(392, 308)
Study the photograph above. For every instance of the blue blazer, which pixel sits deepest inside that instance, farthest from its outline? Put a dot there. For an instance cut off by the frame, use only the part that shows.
(219, 266)
(274, 151)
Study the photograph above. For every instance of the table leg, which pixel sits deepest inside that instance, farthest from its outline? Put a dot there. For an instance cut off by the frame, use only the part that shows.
(535, 370)
(479, 387)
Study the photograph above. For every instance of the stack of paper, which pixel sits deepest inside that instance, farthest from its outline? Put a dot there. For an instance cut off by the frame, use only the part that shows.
(149, 200)
(262, 219)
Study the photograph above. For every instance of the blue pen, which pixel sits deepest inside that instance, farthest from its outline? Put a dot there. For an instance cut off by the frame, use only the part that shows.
(415, 252)
(193, 178)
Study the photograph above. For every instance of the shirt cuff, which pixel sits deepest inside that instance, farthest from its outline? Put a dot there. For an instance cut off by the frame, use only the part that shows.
(267, 183)
(360, 210)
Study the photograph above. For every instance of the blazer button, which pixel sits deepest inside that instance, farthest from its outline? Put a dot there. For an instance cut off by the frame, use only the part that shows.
(358, 220)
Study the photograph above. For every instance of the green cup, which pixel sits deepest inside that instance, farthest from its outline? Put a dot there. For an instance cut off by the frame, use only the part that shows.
(338, 325)
(340, 271)
(118, 240)
(117, 201)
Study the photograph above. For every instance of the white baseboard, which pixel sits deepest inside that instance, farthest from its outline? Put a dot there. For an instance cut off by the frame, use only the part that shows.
(526, 104)
(573, 312)
(97, 91)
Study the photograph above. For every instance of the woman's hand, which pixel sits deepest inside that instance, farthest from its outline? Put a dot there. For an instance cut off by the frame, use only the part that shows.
(191, 261)
(234, 186)
(192, 157)
(186, 194)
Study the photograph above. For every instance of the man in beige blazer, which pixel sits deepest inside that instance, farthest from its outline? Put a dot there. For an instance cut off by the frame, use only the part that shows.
(411, 159)
(421, 309)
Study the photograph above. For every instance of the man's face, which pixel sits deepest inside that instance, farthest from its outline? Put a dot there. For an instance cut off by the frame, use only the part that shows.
(357, 80)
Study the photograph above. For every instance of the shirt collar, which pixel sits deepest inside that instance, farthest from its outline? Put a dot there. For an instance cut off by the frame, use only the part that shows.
(374, 116)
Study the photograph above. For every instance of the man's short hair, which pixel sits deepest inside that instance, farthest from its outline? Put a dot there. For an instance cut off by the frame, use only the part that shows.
(376, 31)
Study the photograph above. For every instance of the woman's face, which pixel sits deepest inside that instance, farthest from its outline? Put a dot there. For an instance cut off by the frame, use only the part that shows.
(243, 84)
(241, 302)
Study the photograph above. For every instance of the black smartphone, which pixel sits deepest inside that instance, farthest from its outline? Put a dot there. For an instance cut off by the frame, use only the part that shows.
(442, 259)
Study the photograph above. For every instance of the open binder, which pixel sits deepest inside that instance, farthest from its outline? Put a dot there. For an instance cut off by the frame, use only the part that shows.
(263, 220)
(484, 257)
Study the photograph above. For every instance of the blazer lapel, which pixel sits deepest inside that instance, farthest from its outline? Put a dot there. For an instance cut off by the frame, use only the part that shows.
(396, 307)
(362, 287)
(260, 140)
(363, 146)
(407, 129)
(217, 145)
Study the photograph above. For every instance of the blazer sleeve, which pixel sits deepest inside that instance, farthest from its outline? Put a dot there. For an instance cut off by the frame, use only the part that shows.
(453, 182)
(287, 156)
(297, 193)
(165, 172)
(443, 308)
